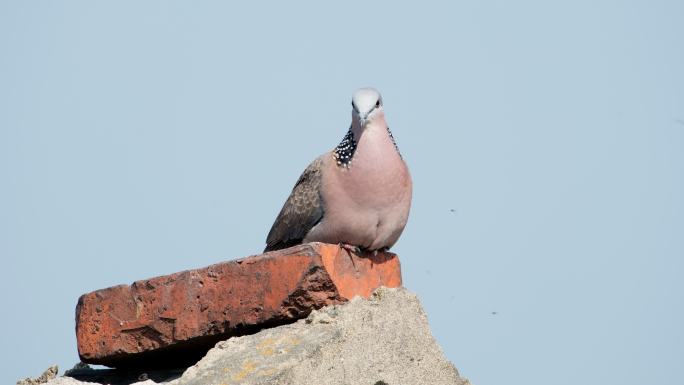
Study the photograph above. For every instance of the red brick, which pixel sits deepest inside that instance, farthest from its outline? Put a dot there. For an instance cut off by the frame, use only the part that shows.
(173, 320)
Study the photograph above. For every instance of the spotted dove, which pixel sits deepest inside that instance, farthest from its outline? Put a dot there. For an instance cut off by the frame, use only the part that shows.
(357, 195)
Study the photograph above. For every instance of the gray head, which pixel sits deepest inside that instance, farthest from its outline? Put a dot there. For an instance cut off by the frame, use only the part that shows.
(366, 104)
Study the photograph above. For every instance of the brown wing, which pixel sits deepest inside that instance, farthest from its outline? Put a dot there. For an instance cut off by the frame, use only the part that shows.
(300, 213)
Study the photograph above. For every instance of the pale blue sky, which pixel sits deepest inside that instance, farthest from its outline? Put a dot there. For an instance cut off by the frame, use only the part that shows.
(545, 140)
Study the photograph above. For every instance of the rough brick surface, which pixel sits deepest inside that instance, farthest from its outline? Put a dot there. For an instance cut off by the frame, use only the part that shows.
(173, 320)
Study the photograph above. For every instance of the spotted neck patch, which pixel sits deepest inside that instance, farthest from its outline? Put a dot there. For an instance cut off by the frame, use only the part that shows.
(345, 150)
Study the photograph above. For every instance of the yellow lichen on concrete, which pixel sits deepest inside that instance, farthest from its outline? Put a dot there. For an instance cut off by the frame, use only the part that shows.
(289, 342)
(267, 372)
(265, 347)
(248, 367)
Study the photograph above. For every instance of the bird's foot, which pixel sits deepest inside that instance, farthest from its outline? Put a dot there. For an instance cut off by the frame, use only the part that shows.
(351, 248)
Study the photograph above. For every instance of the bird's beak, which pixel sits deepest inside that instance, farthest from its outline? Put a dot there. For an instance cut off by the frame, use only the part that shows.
(361, 117)
(364, 117)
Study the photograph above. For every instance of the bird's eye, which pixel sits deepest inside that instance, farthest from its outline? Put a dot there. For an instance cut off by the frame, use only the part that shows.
(377, 104)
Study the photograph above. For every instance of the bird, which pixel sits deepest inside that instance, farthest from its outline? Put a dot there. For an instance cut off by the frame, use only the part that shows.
(357, 195)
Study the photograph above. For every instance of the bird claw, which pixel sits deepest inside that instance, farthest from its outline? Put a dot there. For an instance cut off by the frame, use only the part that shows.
(351, 248)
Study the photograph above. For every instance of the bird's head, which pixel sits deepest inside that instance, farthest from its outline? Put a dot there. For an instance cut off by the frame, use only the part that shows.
(366, 105)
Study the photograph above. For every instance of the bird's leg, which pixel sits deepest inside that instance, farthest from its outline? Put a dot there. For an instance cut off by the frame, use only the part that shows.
(351, 250)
